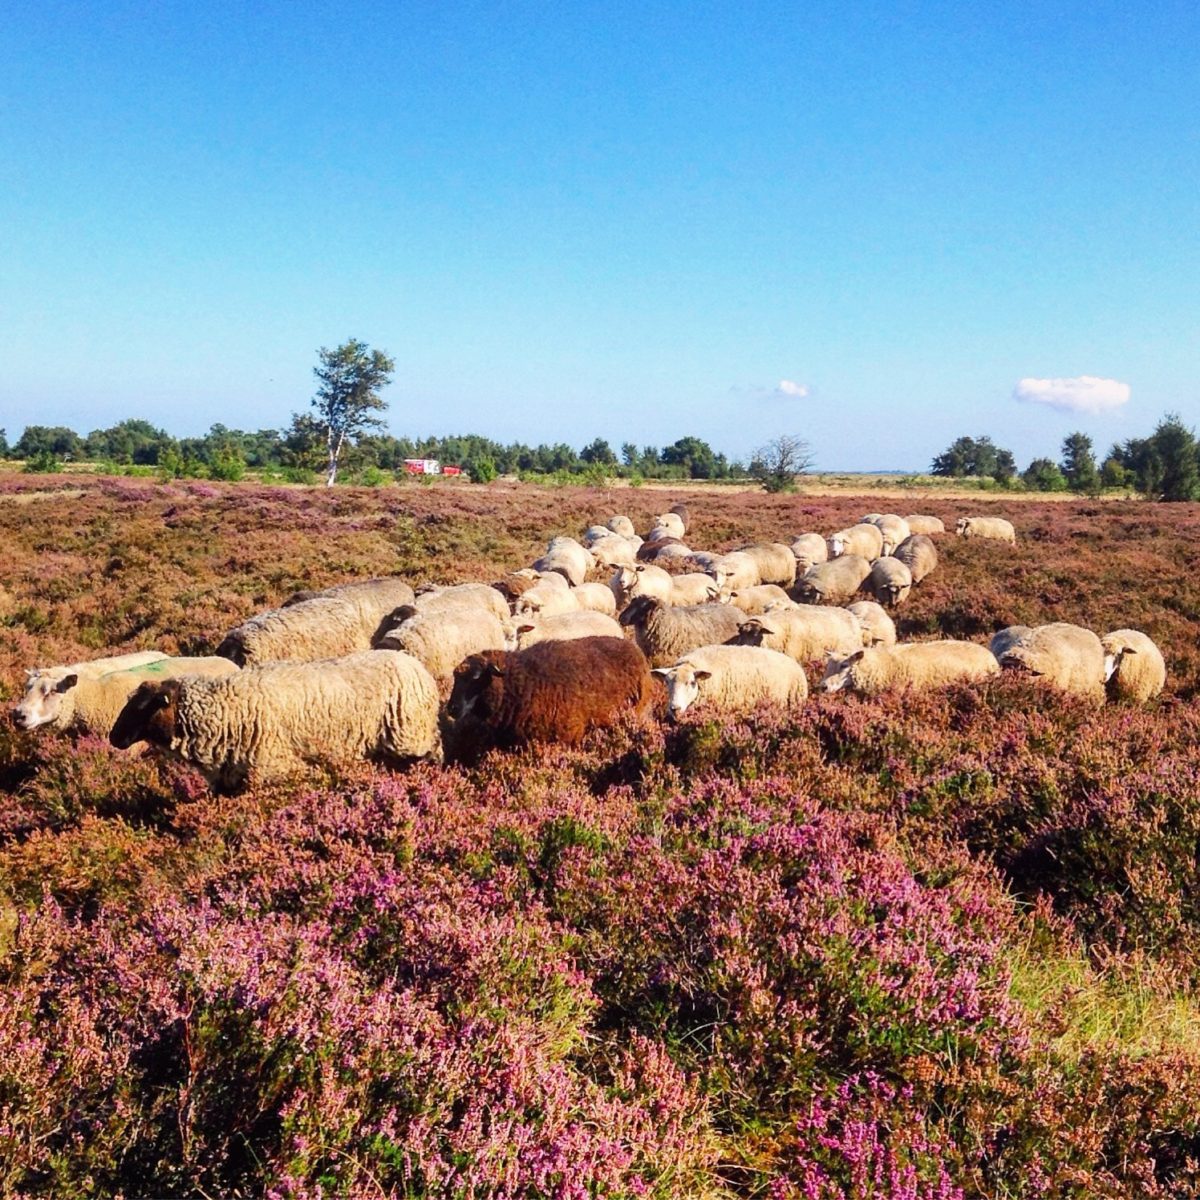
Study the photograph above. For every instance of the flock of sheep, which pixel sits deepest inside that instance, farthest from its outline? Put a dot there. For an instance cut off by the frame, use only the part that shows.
(589, 633)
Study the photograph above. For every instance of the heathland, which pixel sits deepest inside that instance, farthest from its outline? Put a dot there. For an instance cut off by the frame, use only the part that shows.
(915, 947)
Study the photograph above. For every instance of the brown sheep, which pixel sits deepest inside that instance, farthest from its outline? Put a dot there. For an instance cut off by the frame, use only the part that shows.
(551, 692)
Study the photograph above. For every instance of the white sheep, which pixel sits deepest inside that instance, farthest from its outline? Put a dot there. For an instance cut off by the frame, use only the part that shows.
(614, 551)
(803, 631)
(864, 540)
(890, 581)
(272, 721)
(775, 561)
(893, 528)
(808, 550)
(995, 528)
(622, 525)
(878, 629)
(919, 523)
(918, 554)
(595, 597)
(667, 524)
(338, 621)
(875, 669)
(757, 599)
(84, 699)
(1067, 656)
(566, 556)
(549, 596)
(834, 582)
(441, 638)
(1133, 666)
(693, 587)
(562, 628)
(732, 678)
(467, 596)
(734, 571)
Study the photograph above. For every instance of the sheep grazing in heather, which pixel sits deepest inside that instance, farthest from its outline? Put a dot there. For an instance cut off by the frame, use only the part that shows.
(1133, 666)
(876, 669)
(614, 551)
(732, 678)
(803, 632)
(595, 597)
(878, 629)
(81, 700)
(668, 524)
(918, 554)
(649, 550)
(551, 692)
(893, 528)
(681, 511)
(386, 587)
(995, 528)
(516, 583)
(758, 599)
(648, 580)
(834, 582)
(734, 571)
(919, 523)
(1005, 638)
(864, 540)
(1067, 656)
(568, 558)
(664, 632)
(775, 561)
(809, 549)
(268, 722)
(549, 596)
(440, 638)
(338, 621)
(889, 581)
(621, 525)
(561, 628)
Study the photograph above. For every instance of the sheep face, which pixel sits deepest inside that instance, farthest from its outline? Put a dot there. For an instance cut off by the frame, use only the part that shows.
(837, 547)
(683, 686)
(638, 610)
(839, 672)
(963, 527)
(43, 701)
(755, 631)
(149, 715)
(477, 679)
(808, 591)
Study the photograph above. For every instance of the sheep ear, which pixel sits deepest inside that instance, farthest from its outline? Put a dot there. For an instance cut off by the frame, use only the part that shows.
(701, 676)
(525, 628)
(161, 699)
(640, 567)
(66, 683)
(662, 672)
(494, 669)
(857, 655)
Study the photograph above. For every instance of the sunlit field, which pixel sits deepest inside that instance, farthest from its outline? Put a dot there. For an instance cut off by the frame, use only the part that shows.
(913, 948)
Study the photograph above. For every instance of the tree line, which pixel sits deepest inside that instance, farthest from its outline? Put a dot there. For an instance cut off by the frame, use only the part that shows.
(1163, 466)
(221, 451)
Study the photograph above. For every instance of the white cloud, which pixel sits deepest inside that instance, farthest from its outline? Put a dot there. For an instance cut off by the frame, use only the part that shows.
(787, 387)
(1083, 393)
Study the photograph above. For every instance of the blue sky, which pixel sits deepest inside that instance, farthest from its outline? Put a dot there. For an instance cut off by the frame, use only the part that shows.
(617, 220)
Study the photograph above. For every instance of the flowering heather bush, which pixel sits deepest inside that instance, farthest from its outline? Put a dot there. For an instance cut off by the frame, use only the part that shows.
(816, 954)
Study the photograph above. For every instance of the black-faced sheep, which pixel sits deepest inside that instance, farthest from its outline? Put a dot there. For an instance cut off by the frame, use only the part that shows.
(271, 721)
(664, 633)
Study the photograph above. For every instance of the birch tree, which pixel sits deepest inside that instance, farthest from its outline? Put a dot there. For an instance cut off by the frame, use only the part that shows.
(351, 377)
